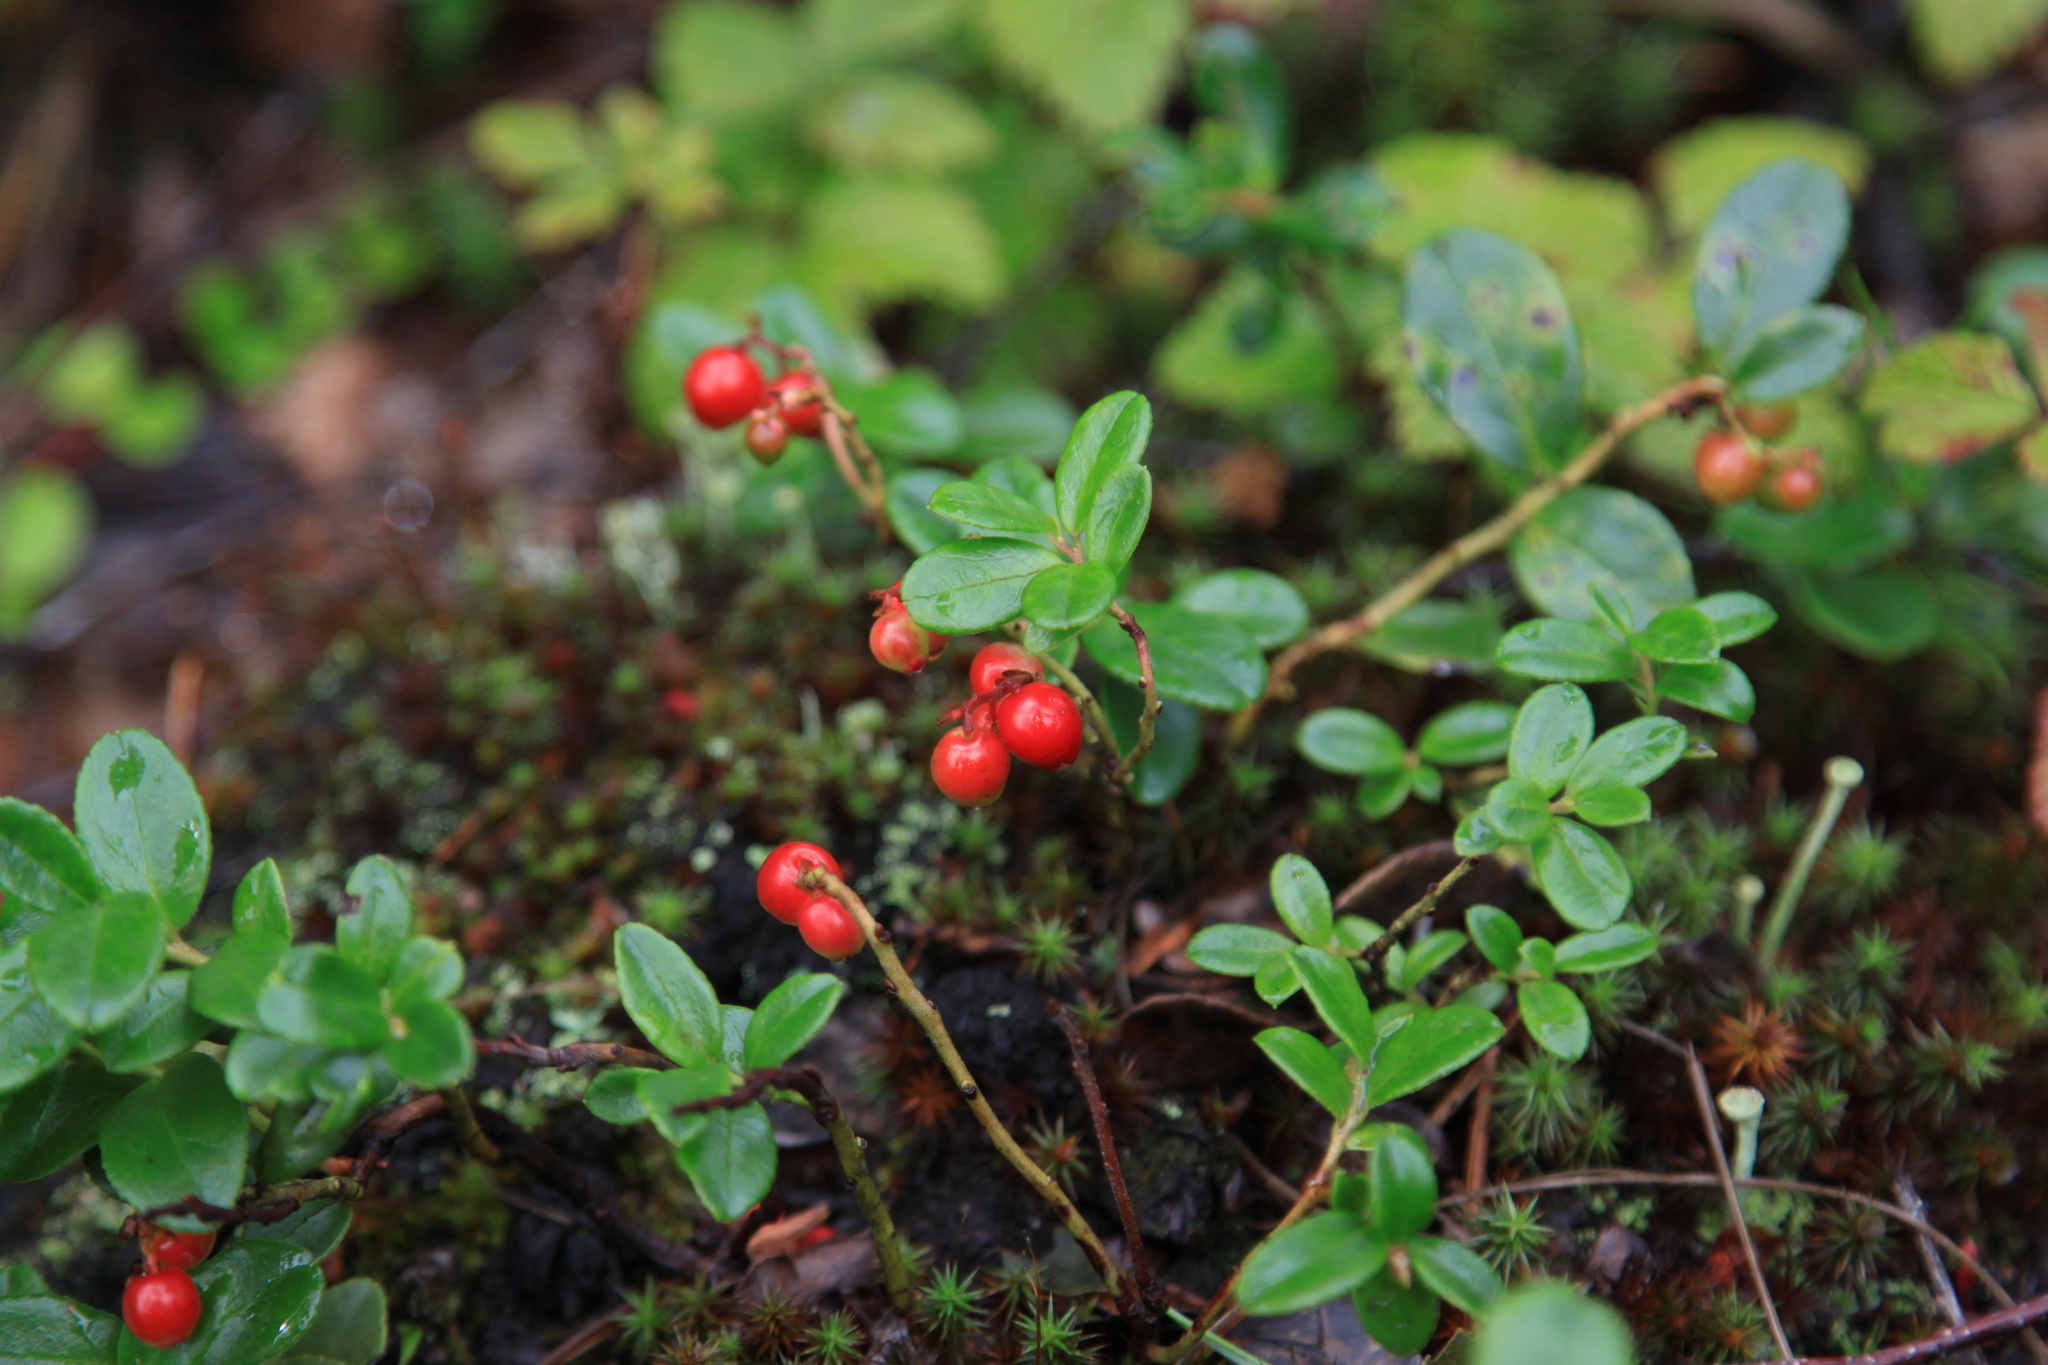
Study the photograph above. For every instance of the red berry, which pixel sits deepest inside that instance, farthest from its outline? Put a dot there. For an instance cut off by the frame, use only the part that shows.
(1769, 422)
(829, 928)
(767, 437)
(1727, 467)
(971, 768)
(680, 703)
(776, 883)
(167, 1250)
(1797, 487)
(723, 385)
(997, 659)
(805, 419)
(1040, 724)
(161, 1307)
(900, 643)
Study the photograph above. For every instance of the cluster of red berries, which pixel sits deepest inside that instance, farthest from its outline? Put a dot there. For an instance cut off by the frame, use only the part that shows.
(724, 385)
(828, 927)
(1013, 712)
(896, 641)
(161, 1304)
(1731, 465)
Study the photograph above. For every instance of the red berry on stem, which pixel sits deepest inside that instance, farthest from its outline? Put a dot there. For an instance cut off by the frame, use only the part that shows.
(805, 419)
(971, 768)
(776, 883)
(900, 643)
(767, 437)
(1768, 421)
(724, 385)
(161, 1307)
(167, 1250)
(997, 659)
(1727, 467)
(1040, 724)
(1797, 487)
(829, 928)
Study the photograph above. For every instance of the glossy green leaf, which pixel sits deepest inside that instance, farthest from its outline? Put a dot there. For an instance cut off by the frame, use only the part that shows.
(33, 1036)
(1549, 1323)
(1470, 733)
(316, 1227)
(260, 904)
(1176, 741)
(1455, 1272)
(228, 986)
(1496, 934)
(1402, 1185)
(1602, 535)
(1582, 875)
(667, 996)
(42, 1329)
(1611, 805)
(1770, 248)
(1069, 596)
(614, 1094)
(372, 934)
(1426, 782)
(1476, 837)
(182, 1134)
(1431, 1045)
(1302, 899)
(55, 1117)
(988, 507)
(1719, 688)
(1333, 988)
(348, 1326)
(1539, 956)
(1554, 1017)
(1401, 1320)
(1619, 945)
(1276, 980)
(907, 414)
(1381, 794)
(1493, 345)
(1553, 731)
(1016, 423)
(1635, 754)
(155, 1029)
(922, 530)
(1886, 613)
(1678, 635)
(789, 1017)
(1841, 536)
(21, 1282)
(92, 966)
(1196, 658)
(1557, 650)
(430, 1045)
(1799, 350)
(1518, 809)
(1343, 740)
(1236, 949)
(1309, 1065)
(427, 969)
(1438, 634)
(1437, 948)
(43, 866)
(320, 998)
(1109, 435)
(142, 823)
(1611, 608)
(1737, 616)
(261, 1067)
(1322, 1257)
(1265, 606)
(1122, 510)
(972, 585)
(731, 1160)
(260, 1295)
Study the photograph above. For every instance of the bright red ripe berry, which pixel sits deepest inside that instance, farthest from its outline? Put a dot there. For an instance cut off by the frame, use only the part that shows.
(997, 659)
(1727, 467)
(900, 643)
(1797, 487)
(724, 385)
(161, 1307)
(805, 419)
(829, 928)
(971, 768)
(767, 437)
(776, 883)
(1040, 724)
(167, 1250)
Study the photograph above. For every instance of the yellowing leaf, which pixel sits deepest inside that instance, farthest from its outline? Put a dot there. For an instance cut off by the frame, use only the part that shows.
(871, 241)
(523, 142)
(1103, 64)
(1962, 41)
(721, 59)
(899, 122)
(1950, 395)
(1693, 173)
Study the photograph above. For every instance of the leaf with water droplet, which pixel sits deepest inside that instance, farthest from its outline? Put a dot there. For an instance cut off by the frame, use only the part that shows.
(142, 823)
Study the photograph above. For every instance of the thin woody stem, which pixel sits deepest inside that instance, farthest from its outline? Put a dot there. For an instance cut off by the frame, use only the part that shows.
(927, 1016)
(837, 431)
(463, 1119)
(1089, 706)
(1384, 944)
(1150, 712)
(1151, 1302)
(1479, 541)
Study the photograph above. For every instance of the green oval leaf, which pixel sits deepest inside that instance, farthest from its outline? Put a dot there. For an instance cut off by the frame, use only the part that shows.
(1518, 809)
(182, 1134)
(259, 1295)
(1498, 936)
(260, 904)
(1582, 874)
(92, 966)
(1196, 658)
(428, 969)
(320, 998)
(790, 1017)
(43, 866)
(1236, 949)
(1333, 988)
(1554, 1017)
(667, 996)
(430, 1046)
(1265, 606)
(1122, 510)
(1069, 596)
(1323, 1256)
(1797, 351)
(1737, 616)
(1886, 613)
(228, 986)
(1343, 740)
(1601, 535)
(1455, 1272)
(1401, 1185)
(1401, 1318)
(42, 1329)
(1276, 980)
(33, 1036)
(1719, 688)
(1620, 945)
(915, 525)
(1678, 635)
(972, 585)
(1432, 1044)
(614, 1094)
(54, 1118)
(731, 1160)
(1552, 1324)
(315, 1228)
(348, 1327)
(1771, 247)
(1470, 733)
(1611, 805)
(1302, 898)
(1108, 436)
(372, 934)
(1564, 651)
(989, 507)
(1632, 754)
(1381, 794)
(1309, 1065)
(155, 1029)
(908, 415)
(142, 823)
(1553, 731)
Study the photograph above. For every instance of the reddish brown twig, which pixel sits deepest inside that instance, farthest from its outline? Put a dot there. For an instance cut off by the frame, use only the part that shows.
(1703, 1096)
(572, 1057)
(1380, 946)
(272, 1204)
(1150, 1302)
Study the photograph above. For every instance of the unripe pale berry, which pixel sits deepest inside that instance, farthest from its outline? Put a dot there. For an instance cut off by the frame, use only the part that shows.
(971, 768)
(805, 419)
(161, 1307)
(899, 643)
(1727, 467)
(829, 928)
(776, 883)
(167, 1250)
(997, 659)
(1040, 724)
(1769, 421)
(723, 385)
(767, 437)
